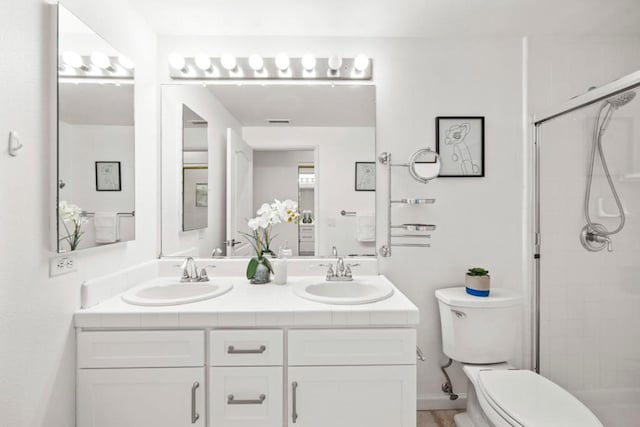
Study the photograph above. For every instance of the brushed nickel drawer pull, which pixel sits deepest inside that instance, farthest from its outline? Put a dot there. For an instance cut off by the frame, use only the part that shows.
(232, 401)
(194, 414)
(294, 401)
(232, 350)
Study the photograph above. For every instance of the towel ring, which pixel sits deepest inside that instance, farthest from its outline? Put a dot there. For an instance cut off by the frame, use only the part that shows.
(412, 165)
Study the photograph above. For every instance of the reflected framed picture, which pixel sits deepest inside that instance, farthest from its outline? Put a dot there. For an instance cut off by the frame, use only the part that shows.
(460, 144)
(365, 176)
(108, 176)
(202, 195)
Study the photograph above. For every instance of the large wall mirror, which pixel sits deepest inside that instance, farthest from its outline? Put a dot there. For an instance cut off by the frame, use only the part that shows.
(95, 186)
(312, 144)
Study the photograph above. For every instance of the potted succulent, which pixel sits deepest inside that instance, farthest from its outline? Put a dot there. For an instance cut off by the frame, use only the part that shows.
(478, 282)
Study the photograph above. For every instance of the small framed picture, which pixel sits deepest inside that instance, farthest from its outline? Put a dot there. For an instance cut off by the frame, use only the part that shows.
(460, 144)
(365, 176)
(202, 195)
(108, 176)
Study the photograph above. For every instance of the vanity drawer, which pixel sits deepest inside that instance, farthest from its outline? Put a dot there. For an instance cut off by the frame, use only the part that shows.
(246, 348)
(245, 396)
(323, 347)
(140, 349)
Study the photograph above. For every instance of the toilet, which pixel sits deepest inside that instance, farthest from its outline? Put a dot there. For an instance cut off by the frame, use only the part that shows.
(480, 333)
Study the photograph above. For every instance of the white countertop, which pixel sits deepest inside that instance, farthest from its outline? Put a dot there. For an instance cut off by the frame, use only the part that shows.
(249, 305)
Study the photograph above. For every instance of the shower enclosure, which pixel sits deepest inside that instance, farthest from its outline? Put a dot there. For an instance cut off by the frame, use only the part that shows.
(587, 250)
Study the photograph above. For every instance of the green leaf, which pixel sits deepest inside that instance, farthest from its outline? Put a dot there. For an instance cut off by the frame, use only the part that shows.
(266, 262)
(252, 267)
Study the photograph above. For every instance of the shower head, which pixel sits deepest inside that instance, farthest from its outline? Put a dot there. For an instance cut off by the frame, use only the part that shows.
(622, 99)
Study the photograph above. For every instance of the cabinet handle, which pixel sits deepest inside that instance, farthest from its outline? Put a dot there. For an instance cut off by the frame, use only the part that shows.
(194, 414)
(232, 401)
(294, 401)
(232, 350)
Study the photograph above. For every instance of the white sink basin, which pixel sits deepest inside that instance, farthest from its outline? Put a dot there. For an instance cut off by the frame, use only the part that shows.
(173, 292)
(346, 293)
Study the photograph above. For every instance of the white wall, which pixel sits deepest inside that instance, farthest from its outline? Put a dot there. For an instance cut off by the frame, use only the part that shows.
(207, 106)
(338, 148)
(275, 176)
(480, 221)
(83, 145)
(37, 373)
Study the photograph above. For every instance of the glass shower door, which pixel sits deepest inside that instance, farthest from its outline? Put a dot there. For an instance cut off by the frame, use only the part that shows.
(590, 301)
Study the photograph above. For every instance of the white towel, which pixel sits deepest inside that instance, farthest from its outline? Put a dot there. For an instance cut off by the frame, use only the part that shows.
(366, 224)
(106, 227)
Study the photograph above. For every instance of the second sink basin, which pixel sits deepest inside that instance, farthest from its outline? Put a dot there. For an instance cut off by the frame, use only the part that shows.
(173, 292)
(346, 293)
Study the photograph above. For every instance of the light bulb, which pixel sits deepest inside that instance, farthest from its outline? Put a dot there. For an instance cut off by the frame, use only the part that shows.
(308, 62)
(101, 60)
(126, 62)
(229, 61)
(361, 62)
(203, 62)
(177, 61)
(73, 59)
(282, 61)
(256, 62)
(335, 62)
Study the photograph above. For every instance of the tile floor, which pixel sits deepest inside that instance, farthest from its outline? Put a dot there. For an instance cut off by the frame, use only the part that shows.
(440, 418)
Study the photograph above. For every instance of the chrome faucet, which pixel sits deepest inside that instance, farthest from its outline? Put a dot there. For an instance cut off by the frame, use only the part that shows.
(342, 272)
(190, 272)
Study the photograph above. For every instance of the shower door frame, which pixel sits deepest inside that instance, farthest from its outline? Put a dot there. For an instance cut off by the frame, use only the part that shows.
(616, 87)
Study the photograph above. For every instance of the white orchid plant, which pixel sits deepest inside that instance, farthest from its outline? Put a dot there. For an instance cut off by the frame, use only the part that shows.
(70, 213)
(261, 237)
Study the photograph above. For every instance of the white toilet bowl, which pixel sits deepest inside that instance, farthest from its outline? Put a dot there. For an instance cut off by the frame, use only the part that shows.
(479, 332)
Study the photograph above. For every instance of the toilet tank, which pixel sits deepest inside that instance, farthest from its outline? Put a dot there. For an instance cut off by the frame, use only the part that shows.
(479, 329)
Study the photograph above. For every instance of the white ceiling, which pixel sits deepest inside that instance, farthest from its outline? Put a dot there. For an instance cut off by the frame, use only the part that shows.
(303, 105)
(390, 18)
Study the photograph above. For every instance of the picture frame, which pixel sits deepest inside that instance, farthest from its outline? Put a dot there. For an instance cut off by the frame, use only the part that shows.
(108, 177)
(460, 145)
(202, 195)
(365, 176)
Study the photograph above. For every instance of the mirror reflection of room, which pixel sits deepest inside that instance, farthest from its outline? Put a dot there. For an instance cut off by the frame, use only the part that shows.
(311, 144)
(96, 196)
(195, 171)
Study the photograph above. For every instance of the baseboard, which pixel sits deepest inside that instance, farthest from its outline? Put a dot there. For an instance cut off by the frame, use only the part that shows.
(427, 402)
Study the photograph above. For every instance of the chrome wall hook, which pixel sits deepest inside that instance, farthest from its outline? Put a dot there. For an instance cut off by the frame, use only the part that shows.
(14, 143)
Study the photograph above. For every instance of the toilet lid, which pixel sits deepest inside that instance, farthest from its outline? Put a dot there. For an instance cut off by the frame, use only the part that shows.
(532, 400)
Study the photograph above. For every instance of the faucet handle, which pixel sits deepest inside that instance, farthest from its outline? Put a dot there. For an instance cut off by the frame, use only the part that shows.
(330, 272)
(203, 275)
(347, 272)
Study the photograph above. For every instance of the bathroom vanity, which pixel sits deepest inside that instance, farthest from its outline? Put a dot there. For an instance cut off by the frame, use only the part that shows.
(260, 356)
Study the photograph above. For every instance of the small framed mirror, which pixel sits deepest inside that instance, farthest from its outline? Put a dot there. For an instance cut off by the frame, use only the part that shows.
(96, 145)
(424, 165)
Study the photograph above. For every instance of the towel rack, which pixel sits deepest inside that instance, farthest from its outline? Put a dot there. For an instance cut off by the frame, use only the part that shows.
(411, 231)
(90, 214)
(347, 213)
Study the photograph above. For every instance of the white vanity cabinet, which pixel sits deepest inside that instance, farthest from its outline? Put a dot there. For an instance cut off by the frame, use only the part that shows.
(352, 377)
(247, 378)
(141, 378)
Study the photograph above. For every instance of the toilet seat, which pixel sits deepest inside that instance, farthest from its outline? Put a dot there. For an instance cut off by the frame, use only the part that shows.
(524, 398)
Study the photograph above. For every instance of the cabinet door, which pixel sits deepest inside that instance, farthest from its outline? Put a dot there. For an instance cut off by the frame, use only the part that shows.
(348, 396)
(246, 397)
(162, 397)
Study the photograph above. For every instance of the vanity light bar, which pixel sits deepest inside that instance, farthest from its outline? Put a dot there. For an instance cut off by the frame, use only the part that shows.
(255, 67)
(94, 66)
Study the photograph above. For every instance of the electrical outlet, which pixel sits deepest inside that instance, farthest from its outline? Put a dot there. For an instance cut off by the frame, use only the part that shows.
(62, 265)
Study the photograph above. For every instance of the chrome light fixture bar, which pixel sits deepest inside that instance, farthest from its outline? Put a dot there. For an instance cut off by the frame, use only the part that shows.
(95, 66)
(280, 67)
